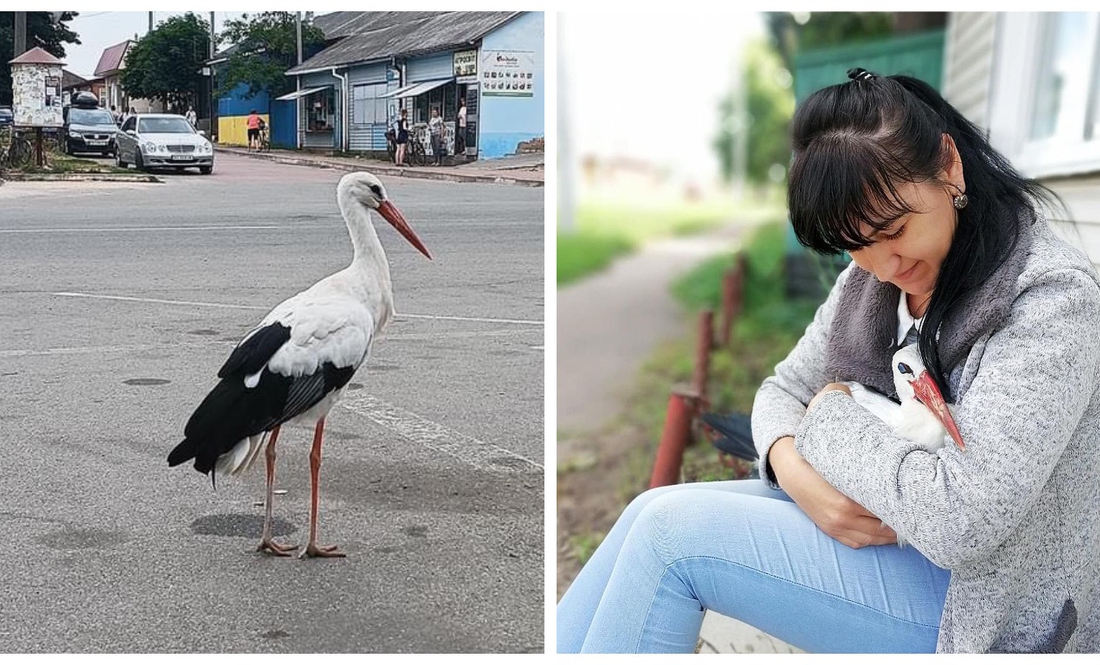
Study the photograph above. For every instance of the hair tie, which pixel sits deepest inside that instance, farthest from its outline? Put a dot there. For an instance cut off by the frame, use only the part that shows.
(860, 74)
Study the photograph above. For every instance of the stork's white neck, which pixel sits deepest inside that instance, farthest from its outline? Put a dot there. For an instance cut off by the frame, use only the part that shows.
(369, 263)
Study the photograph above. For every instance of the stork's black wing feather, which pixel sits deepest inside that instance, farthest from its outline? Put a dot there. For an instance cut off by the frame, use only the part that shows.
(233, 411)
(255, 351)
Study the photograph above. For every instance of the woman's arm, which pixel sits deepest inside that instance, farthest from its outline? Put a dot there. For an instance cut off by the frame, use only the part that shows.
(1037, 376)
(781, 401)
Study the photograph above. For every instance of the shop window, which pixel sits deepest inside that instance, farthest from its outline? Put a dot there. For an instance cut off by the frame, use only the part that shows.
(366, 107)
(321, 111)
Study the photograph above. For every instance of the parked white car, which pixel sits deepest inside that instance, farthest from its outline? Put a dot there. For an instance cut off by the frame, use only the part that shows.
(149, 140)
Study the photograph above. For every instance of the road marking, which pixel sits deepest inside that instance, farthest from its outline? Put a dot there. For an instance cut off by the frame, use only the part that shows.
(194, 303)
(74, 350)
(524, 322)
(467, 449)
(110, 229)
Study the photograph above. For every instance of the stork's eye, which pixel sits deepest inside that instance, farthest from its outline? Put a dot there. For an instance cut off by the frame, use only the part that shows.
(377, 190)
(904, 369)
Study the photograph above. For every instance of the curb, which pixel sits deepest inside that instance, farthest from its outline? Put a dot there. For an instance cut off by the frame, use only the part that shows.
(399, 172)
(79, 177)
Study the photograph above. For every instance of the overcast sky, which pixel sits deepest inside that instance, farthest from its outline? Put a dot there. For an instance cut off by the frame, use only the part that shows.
(647, 84)
(98, 30)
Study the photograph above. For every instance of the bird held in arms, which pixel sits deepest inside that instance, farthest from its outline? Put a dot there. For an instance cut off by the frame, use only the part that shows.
(295, 365)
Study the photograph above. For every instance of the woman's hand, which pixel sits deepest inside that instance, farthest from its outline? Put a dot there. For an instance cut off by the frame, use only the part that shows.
(838, 516)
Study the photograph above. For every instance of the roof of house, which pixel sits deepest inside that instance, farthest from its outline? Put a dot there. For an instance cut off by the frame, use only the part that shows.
(71, 80)
(112, 59)
(372, 36)
(36, 56)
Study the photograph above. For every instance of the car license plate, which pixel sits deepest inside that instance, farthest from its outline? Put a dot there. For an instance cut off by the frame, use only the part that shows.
(181, 158)
(96, 142)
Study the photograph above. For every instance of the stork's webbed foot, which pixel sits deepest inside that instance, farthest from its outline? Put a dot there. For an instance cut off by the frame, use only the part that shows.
(315, 550)
(268, 545)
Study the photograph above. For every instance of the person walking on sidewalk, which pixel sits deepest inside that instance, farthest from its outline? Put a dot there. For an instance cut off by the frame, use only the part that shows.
(460, 132)
(1004, 535)
(435, 129)
(402, 137)
(253, 124)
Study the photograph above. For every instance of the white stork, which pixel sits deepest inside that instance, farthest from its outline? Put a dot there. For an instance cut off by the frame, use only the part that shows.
(295, 365)
(923, 415)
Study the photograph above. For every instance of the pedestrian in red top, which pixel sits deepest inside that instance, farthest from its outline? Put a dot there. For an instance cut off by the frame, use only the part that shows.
(253, 129)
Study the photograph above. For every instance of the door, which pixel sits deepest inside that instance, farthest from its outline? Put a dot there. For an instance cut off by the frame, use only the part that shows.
(127, 144)
(471, 119)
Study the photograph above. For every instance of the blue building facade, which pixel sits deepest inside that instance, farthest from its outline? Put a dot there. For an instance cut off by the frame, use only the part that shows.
(349, 94)
(506, 120)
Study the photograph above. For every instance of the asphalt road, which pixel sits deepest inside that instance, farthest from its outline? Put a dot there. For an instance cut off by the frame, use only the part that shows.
(118, 304)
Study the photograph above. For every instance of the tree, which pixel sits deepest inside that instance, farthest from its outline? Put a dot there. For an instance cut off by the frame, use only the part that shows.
(267, 47)
(166, 64)
(768, 99)
(42, 32)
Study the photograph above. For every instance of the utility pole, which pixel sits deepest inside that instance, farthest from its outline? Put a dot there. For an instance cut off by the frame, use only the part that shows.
(298, 28)
(20, 34)
(210, 79)
(566, 201)
(150, 22)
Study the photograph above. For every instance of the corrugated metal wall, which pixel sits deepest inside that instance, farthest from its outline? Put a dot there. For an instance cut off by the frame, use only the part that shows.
(430, 67)
(233, 110)
(368, 112)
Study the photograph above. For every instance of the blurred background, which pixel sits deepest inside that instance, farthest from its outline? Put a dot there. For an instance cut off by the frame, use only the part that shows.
(673, 160)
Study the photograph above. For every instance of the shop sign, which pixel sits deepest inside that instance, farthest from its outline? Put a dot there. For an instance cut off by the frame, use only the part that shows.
(507, 73)
(465, 63)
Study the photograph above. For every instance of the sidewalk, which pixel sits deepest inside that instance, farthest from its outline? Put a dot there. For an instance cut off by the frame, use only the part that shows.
(526, 170)
(608, 325)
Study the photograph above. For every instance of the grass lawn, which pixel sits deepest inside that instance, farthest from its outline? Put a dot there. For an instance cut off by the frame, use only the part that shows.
(605, 230)
(768, 328)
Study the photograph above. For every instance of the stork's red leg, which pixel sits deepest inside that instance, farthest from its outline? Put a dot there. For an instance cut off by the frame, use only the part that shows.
(267, 544)
(313, 549)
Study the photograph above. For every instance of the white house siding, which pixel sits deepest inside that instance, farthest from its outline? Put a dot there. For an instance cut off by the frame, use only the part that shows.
(968, 63)
(988, 76)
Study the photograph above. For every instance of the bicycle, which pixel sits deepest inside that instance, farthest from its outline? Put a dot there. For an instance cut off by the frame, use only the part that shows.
(265, 142)
(19, 153)
(417, 154)
(391, 146)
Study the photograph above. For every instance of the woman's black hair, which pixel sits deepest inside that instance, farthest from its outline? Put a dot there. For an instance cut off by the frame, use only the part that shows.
(856, 142)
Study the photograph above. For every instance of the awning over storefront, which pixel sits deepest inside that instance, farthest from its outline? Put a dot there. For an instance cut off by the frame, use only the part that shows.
(400, 92)
(417, 89)
(301, 93)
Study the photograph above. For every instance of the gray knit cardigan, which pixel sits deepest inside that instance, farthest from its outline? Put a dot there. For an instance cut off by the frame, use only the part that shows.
(1016, 516)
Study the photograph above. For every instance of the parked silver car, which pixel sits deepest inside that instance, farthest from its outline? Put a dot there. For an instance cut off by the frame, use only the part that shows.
(149, 140)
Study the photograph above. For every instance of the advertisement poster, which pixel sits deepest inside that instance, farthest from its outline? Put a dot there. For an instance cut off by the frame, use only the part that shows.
(507, 73)
(36, 95)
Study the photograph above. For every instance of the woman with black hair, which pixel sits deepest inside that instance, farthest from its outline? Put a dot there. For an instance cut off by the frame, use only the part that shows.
(948, 245)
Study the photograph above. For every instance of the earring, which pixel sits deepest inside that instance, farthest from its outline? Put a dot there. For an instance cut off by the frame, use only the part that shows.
(960, 199)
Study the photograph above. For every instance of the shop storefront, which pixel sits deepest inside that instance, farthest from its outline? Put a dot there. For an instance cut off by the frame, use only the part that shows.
(506, 80)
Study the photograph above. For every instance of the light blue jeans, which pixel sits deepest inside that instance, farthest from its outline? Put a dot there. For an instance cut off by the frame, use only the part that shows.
(748, 552)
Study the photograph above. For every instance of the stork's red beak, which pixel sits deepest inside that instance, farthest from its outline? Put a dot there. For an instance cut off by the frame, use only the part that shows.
(929, 395)
(392, 215)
